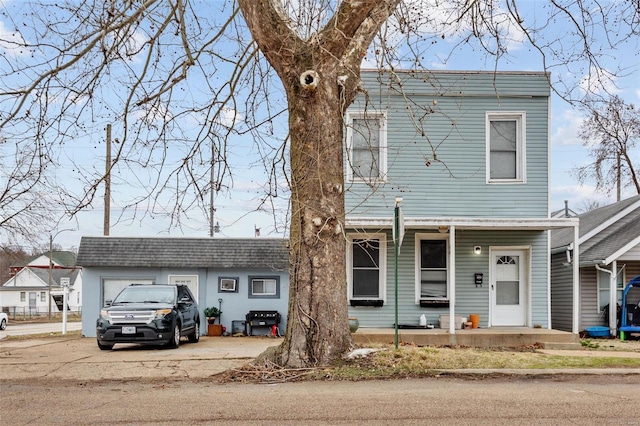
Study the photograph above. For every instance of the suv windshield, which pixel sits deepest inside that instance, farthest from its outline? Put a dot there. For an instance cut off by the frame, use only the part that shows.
(147, 294)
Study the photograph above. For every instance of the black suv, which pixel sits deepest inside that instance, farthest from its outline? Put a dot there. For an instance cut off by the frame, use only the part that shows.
(152, 314)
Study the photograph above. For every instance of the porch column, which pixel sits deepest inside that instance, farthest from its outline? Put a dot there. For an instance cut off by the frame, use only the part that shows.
(452, 279)
(576, 281)
(613, 299)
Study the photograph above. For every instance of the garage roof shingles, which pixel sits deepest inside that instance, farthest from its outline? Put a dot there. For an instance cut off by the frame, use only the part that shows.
(247, 253)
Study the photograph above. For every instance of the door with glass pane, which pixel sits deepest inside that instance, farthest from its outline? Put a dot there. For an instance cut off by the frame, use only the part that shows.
(508, 288)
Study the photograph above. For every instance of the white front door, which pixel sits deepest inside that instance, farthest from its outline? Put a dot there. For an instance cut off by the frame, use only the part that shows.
(508, 288)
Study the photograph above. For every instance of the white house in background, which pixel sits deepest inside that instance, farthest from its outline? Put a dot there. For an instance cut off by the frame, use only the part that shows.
(27, 292)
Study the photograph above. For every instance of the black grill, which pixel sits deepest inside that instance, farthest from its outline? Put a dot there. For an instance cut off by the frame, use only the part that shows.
(260, 319)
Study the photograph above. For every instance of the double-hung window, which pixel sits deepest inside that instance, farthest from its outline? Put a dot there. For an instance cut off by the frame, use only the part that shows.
(366, 146)
(505, 133)
(366, 269)
(432, 268)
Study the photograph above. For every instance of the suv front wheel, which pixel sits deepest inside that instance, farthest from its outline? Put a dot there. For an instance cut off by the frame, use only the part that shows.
(175, 339)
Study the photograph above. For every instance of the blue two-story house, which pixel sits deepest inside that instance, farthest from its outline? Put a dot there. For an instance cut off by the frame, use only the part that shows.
(465, 155)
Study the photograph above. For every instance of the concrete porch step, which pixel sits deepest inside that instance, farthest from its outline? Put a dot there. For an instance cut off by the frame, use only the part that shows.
(481, 337)
(562, 346)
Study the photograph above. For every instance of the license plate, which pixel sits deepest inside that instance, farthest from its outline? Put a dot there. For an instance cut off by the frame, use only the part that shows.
(128, 330)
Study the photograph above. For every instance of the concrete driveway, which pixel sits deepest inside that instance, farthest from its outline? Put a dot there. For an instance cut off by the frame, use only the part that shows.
(74, 357)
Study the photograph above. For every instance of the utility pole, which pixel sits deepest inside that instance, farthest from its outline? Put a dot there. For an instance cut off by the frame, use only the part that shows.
(212, 187)
(107, 184)
(50, 271)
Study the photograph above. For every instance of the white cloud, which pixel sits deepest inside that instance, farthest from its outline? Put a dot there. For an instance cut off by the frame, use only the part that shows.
(12, 42)
(599, 81)
(152, 113)
(228, 117)
(566, 133)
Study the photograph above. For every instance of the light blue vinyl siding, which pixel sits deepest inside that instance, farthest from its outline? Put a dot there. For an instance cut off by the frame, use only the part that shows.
(235, 305)
(469, 298)
(454, 183)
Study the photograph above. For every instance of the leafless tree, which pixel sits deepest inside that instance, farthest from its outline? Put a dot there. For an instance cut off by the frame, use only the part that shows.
(590, 204)
(25, 200)
(611, 132)
(183, 79)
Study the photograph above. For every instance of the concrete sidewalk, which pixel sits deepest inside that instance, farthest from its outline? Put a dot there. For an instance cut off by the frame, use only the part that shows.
(78, 358)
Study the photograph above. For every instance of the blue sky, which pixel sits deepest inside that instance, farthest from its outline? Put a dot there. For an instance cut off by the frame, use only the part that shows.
(235, 208)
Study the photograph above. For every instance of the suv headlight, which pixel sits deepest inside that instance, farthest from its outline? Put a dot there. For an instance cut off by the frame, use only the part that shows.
(104, 315)
(161, 313)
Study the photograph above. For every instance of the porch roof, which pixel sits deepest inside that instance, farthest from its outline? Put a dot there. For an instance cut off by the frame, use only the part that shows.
(470, 223)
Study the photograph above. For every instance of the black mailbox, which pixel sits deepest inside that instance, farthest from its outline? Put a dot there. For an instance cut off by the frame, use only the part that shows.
(477, 277)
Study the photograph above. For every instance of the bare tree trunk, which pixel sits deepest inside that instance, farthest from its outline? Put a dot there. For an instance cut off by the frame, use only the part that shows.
(317, 331)
(632, 173)
(321, 76)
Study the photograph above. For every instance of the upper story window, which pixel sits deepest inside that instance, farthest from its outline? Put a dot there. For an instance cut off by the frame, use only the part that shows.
(505, 134)
(366, 146)
(366, 269)
(432, 268)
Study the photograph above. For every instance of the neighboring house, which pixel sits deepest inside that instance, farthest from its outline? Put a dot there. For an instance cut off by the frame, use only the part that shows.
(239, 275)
(608, 257)
(27, 291)
(566, 212)
(475, 213)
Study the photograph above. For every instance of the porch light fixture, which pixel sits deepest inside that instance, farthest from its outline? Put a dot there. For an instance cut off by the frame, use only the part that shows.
(477, 249)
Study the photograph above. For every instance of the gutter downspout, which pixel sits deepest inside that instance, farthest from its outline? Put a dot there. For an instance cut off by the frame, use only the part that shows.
(612, 298)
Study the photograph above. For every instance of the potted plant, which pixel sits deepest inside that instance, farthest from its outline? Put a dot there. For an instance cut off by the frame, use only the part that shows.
(212, 313)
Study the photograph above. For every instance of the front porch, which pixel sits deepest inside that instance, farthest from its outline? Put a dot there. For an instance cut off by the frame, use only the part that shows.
(479, 337)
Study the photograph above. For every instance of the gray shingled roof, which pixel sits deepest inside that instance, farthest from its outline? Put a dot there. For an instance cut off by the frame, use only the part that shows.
(56, 274)
(217, 253)
(609, 240)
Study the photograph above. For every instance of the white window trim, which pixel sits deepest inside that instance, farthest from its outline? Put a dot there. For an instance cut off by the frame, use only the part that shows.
(417, 262)
(382, 155)
(382, 270)
(521, 144)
